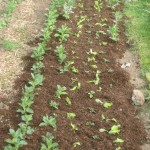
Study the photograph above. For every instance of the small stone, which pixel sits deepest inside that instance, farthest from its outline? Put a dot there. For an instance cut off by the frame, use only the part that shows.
(138, 98)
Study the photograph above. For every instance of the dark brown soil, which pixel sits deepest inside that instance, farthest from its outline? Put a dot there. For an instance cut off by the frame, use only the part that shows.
(132, 130)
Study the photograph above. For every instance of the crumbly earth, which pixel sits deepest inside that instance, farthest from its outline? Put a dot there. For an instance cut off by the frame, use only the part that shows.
(116, 87)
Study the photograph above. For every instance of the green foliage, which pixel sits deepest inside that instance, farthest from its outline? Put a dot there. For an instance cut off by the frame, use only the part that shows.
(54, 104)
(91, 94)
(98, 5)
(36, 68)
(76, 144)
(71, 115)
(61, 54)
(107, 104)
(60, 91)
(63, 33)
(16, 141)
(49, 121)
(66, 66)
(75, 70)
(115, 129)
(9, 45)
(74, 127)
(113, 31)
(48, 142)
(118, 140)
(68, 101)
(97, 80)
(113, 3)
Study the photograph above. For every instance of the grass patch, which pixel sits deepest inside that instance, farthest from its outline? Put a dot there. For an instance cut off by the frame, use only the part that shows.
(9, 45)
(138, 29)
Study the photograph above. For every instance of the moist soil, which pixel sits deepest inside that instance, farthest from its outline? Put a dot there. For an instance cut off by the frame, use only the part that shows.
(115, 87)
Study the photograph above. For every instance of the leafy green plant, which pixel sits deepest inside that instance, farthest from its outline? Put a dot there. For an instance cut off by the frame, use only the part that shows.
(60, 91)
(71, 115)
(54, 104)
(17, 140)
(36, 68)
(113, 31)
(76, 87)
(98, 5)
(107, 104)
(74, 127)
(49, 121)
(67, 8)
(97, 80)
(60, 53)
(75, 70)
(91, 110)
(63, 33)
(91, 94)
(118, 16)
(48, 142)
(118, 140)
(68, 101)
(115, 129)
(66, 66)
(90, 124)
(76, 144)
(80, 22)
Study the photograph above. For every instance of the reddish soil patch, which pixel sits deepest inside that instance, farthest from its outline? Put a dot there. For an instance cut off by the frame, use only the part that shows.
(132, 130)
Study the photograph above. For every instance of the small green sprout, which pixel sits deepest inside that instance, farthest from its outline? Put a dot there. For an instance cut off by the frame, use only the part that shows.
(68, 101)
(76, 144)
(75, 70)
(74, 127)
(115, 129)
(54, 104)
(118, 140)
(107, 104)
(91, 94)
(60, 91)
(71, 115)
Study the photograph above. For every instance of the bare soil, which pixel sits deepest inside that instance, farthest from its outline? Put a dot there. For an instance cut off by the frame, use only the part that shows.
(115, 87)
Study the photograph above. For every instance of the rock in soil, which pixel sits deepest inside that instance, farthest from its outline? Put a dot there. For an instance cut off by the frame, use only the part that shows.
(138, 97)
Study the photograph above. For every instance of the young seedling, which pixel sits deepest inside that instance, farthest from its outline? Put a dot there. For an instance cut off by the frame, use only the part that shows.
(90, 124)
(60, 91)
(74, 127)
(76, 144)
(61, 54)
(71, 115)
(115, 129)
(66, 66)
(68, 101)
(49, 121)
(91, 52)
(92, 59)
(97, 80)
(54, 104)
(76, 87)
(98, 5)
(107, 104)
(113, 31)
(91, 94)
(48, 142)
(96, 137)
(118, 16)
(118, 140)
(63, 33)
(91, 110)
(75, 70)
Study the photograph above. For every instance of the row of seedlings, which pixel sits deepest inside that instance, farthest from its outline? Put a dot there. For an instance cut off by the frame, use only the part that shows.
(18, 139)
(62, 34)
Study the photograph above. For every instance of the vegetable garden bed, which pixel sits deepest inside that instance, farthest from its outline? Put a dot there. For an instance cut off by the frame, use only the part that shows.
(84, 101)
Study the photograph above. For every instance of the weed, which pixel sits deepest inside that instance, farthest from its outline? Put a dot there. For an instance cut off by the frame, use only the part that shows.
(9, 45)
